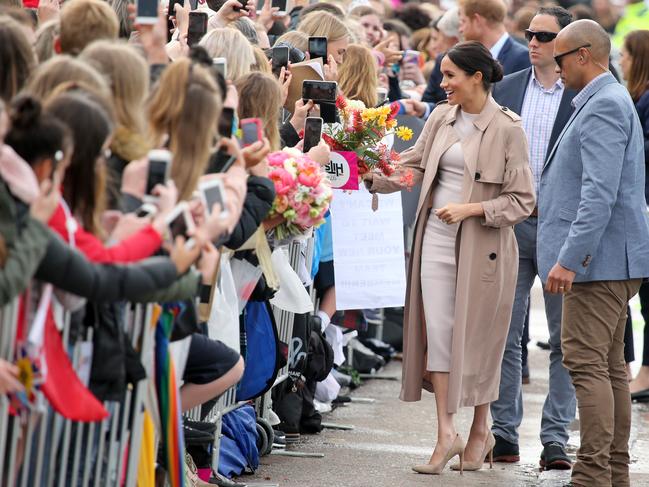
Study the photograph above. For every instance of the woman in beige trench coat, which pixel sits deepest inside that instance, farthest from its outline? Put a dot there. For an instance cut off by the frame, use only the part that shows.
(496, 193)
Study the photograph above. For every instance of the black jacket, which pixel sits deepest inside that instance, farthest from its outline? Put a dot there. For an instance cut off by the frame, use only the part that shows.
(258, 202)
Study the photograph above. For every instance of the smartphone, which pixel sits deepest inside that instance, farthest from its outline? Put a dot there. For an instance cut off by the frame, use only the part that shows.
(147, 12)
(159, 169)
(312, 132)
(319, 91)
(212, 192)
(180, 222)
(251, 131)
(236, 8)
(226, 122)
(220, 161)
(197, 27)
(171, 12)
(280, 58)
(381, 95)
(318, 48)
(411, 57)
(221, 65)
(281, 5)
(147, 209)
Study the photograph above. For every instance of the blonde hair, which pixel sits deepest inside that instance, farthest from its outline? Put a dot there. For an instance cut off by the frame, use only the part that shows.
(355, 28)
(260, 96)
(84, 21)
(186, 107)
(128, 74)
(295, 38)
(324, 24)
(45, 36)
(357, 76)
(66, 70)
(232, 45)
(261, 61)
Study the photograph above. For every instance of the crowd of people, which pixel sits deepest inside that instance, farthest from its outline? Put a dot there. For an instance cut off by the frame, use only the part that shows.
(531, 163)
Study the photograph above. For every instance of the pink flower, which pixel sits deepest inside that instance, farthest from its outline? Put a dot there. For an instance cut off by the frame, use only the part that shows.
(283, 180)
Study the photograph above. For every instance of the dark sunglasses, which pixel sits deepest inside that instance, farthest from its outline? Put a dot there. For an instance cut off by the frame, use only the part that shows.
(559, 58)
(542, 37)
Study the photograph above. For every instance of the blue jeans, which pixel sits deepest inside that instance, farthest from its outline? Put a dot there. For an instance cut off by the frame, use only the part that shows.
(560, 403)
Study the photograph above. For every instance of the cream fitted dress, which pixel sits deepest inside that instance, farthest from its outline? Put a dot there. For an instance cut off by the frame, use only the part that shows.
(438, 267)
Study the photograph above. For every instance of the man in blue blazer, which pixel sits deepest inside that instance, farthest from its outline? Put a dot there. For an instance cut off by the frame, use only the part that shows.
(592, 233)
(539, 96)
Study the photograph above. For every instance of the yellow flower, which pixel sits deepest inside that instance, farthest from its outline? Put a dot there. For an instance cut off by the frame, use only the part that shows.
(404, 133)
(391, 124)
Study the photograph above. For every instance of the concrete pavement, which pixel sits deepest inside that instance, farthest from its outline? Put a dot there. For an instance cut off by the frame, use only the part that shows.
(390, 436)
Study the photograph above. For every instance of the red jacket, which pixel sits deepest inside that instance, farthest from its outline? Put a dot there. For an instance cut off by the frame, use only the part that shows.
(139, 246)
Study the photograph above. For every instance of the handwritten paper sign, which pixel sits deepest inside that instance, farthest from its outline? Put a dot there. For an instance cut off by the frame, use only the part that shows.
(342, 170)
(369, 262)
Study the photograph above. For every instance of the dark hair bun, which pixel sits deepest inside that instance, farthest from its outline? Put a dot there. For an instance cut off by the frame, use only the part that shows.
(25, 112)
(497, 73)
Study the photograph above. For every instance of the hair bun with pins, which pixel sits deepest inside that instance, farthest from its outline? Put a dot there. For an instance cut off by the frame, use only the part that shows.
(497, 73)
(25, 112)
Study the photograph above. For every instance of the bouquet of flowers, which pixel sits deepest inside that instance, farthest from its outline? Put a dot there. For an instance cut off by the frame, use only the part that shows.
(362, 131)
(303, 192)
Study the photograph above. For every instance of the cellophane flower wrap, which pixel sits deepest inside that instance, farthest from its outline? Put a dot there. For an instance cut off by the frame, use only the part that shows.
(362, 131)
(302, 192)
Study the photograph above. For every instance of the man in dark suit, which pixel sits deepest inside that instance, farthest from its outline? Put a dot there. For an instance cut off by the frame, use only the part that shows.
(482, 21)
(538, 95)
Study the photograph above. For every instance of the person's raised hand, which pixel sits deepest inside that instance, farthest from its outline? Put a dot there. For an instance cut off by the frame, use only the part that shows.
(128, 225)
(231, 10)
(300, 113)
(167, 195)
(181, 13)
(391, 55)
(182, 256)
(153, 37)
(48, 10)
(9, 378)
(320, 153)
(268, 15)
(230, 145)
(45, 204)
(414, 107)
(208, 263)
(134, 178)
(331, 69)
(256, 153)
(284, 79)
(231, 96)
(412, 72)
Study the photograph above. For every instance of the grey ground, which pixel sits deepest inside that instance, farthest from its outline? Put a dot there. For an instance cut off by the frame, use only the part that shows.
(390, 436)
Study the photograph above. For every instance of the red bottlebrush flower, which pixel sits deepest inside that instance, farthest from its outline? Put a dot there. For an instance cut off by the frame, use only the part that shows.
(362, 168)
(407, 180)
(385, 168)
(341, 103)
(357, 121)
(394, 156)
(332, 143)
(394, 110)
(300, 134)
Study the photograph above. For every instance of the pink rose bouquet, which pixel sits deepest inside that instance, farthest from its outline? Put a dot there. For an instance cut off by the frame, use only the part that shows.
(303, 192)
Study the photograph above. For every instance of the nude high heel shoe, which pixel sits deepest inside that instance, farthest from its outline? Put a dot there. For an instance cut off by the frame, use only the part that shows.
(488, 450)
(457, 449)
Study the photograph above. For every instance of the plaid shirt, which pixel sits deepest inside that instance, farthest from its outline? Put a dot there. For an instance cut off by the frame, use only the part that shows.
(540, 107)
(581, 97)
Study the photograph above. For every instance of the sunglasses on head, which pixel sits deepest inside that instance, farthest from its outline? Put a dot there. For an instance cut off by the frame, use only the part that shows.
(541, 36)
(559, 58)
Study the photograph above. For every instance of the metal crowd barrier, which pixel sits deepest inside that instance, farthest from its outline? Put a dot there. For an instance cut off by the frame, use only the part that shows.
(284, 320)
(60, 452)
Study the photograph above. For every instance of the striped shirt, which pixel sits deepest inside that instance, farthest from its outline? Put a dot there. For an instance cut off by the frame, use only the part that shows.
(540, 107)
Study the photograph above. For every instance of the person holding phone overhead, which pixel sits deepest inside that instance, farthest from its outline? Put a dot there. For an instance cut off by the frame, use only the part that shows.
(464, 262)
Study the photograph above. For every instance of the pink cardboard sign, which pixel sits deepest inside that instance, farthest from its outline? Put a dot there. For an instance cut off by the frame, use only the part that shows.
(342, 170)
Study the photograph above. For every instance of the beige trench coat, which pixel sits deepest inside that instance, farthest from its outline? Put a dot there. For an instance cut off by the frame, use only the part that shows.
(496, 174)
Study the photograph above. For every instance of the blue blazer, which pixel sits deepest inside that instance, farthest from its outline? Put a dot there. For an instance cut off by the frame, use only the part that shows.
(592, 213)
(510, 92)
(513, 56)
